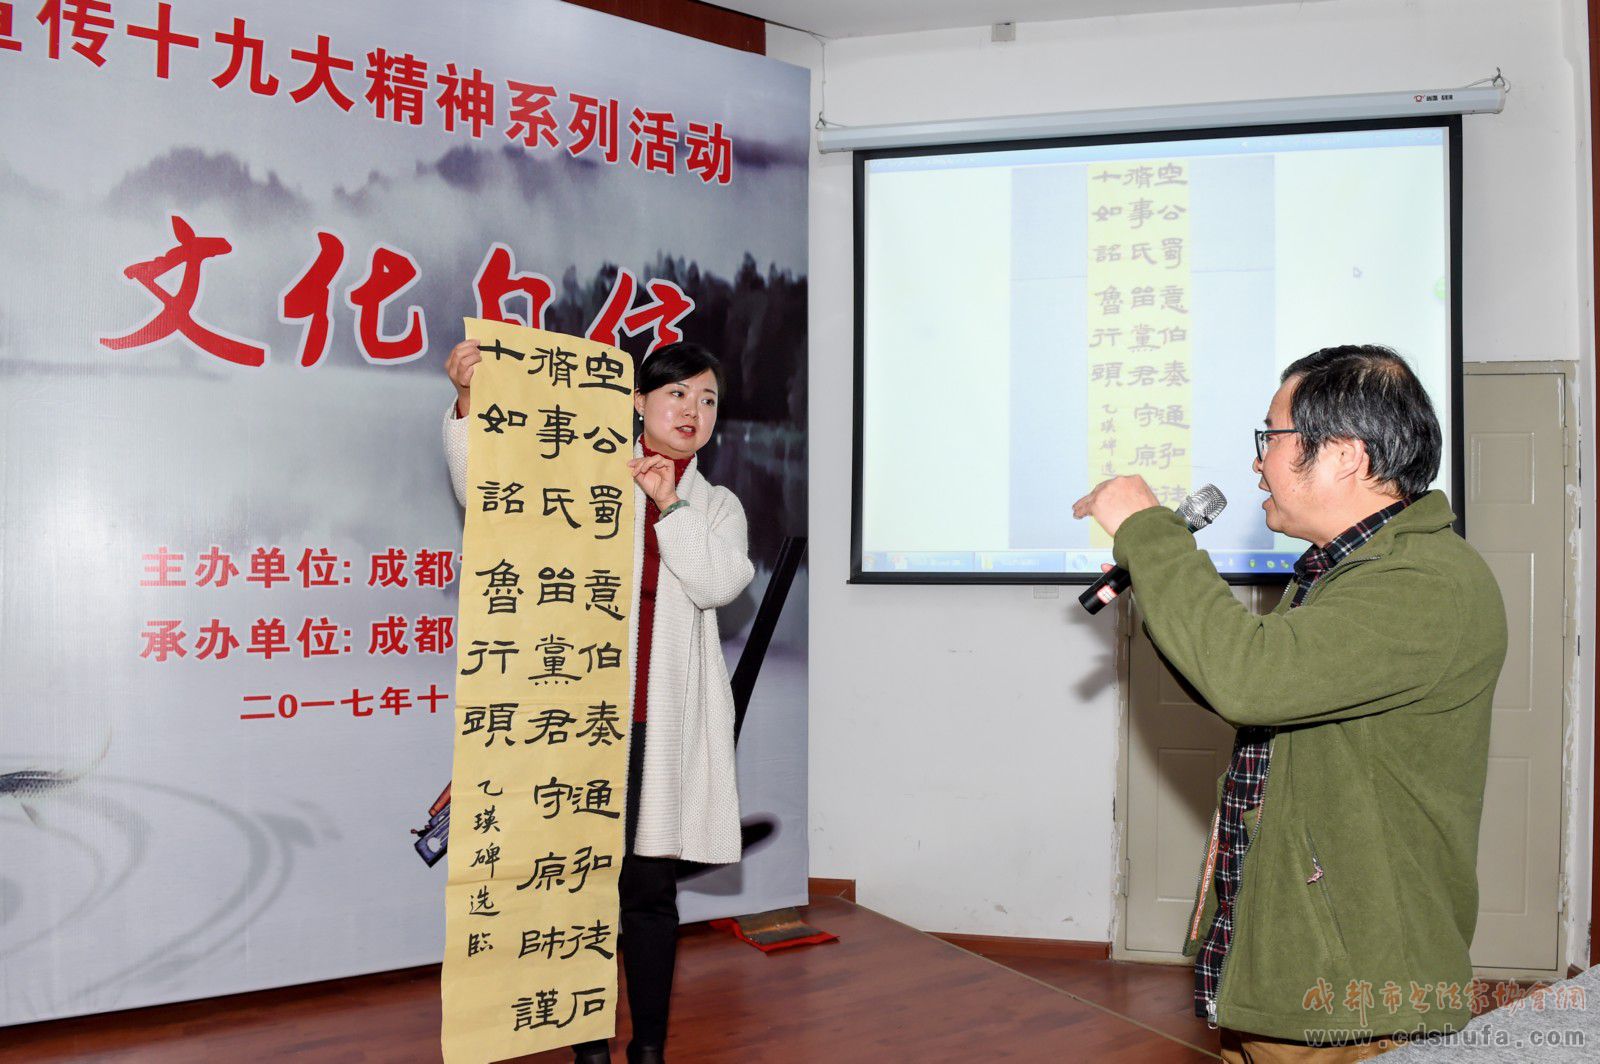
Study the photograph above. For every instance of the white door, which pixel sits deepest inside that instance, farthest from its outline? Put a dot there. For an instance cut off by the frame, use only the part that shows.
(1517, 475)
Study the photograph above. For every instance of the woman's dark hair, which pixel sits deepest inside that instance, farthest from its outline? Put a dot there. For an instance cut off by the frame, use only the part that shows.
(1366, 392)
(678, 362)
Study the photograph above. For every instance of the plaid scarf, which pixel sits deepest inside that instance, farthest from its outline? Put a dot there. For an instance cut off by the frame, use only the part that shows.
(1246, 782)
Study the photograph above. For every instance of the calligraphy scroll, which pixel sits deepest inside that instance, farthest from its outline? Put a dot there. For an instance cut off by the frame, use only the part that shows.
(543, 700)
(1139, 354)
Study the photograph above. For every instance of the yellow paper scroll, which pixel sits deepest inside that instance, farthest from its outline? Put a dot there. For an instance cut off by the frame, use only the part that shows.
(1139, 341)
(543, 701)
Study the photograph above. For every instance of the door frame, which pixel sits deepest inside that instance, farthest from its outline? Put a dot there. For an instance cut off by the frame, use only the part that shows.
(1568, 372)
(1592, 383)
(1571, 626)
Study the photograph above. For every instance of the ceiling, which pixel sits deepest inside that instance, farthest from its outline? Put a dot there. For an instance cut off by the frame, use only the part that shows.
(860, 18)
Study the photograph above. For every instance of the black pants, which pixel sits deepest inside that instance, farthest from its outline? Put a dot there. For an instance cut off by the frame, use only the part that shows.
(647, 889)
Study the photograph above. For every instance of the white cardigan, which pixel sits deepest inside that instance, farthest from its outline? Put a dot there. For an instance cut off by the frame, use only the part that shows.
(689, 804)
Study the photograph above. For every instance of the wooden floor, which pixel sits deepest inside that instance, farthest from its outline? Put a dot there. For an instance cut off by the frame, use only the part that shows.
(884, 992)
(1159, 996)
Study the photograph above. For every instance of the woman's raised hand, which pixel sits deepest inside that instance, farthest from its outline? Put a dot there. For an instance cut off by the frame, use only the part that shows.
(655, 476)
(464, 357)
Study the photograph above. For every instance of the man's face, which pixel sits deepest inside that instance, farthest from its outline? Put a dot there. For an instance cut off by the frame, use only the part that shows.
(1291, 503)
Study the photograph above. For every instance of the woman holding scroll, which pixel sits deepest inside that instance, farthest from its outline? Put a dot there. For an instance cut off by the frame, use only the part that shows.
(691, 556)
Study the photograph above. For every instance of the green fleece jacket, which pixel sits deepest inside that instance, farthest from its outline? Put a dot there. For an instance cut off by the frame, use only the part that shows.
(1359, 893)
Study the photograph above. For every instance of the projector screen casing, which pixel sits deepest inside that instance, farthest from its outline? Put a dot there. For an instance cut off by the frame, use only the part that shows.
(1453, 443)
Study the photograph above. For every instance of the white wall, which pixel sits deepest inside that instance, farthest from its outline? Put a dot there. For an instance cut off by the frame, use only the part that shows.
(964, 740)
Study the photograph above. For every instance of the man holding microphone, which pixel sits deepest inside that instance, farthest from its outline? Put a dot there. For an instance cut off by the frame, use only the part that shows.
(1339, 893)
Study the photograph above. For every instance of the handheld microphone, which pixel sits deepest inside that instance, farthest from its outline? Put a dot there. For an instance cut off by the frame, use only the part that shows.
(1198, 510)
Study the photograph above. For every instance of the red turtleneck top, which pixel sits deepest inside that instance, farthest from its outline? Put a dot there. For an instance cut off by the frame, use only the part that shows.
(650, 571)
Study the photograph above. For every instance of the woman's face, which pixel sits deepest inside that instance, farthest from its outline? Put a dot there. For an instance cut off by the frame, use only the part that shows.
(679, 417)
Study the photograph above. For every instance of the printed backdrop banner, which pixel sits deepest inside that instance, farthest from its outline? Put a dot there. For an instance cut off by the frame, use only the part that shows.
(239, 242)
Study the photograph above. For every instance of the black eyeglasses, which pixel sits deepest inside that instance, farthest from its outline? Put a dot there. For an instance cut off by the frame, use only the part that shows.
(1263, 435)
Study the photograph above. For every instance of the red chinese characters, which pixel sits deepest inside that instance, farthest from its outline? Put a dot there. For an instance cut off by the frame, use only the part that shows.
(498, 280)
(242, 46)
(528, 114)
(164, 37)
(177, 307)
(434, 568)
(389, 636)
(8, 43)
(667, 307)
(398, 85)
(655, 140)
(175, 643)
(310, 298)
(391, 700)
(163, 639)
(465, 98)
(268, 638)
(388, 569)
(593, 124)
(710, 152)
(319, 638)
(216, 642)
(161, 569)
(323, 64)
(215, 568)
(320, 568)
(88, 22)
(434, 635)
(390, 273)
(268, 566)
(604, 327)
